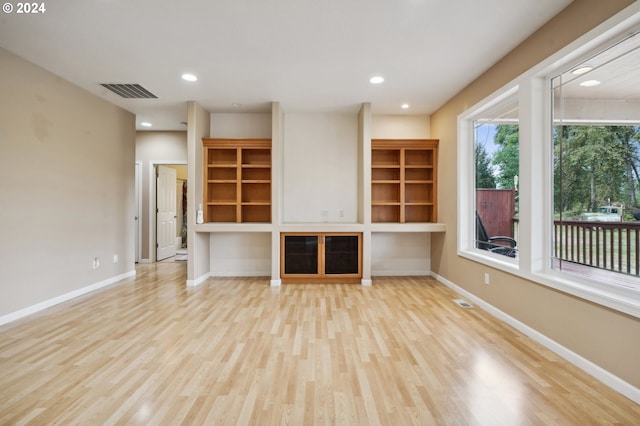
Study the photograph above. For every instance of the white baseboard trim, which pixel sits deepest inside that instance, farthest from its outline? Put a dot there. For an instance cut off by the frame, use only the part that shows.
(63, 298)
(402, 273)
(235, 274)
(198, 281)
(366, 283)
(275, 283)
(606, 377)
(145, 261)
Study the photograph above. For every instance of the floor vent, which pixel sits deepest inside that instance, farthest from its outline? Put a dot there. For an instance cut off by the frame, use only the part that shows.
(129, 90)
(463, 303)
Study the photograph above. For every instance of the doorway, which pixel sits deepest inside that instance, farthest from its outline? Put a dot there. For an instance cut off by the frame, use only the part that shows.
(168, 221)
(138, 215)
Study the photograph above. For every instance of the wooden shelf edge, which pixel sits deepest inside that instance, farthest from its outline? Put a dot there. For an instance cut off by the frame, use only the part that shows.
(236, 143)
(321, 280)
(234, 227)
(409, 227)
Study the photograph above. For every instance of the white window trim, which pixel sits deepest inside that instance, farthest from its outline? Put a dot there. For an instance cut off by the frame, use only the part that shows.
(536, 195)
(466, 183)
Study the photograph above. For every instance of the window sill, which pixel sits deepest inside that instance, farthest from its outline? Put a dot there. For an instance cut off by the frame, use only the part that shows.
(609, 294)
(496, 261)
(613, 296)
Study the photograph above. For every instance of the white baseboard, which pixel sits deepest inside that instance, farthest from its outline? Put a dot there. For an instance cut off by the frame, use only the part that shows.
(275, 283)
(145, 261)
(230, 274)
(63, 298)
(400, 273)
(366, 283)
(198, 281)
(606, 377)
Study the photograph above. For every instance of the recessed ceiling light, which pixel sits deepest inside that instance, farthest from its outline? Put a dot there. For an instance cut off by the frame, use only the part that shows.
(376, 79)
(145, 124)
(581, 70)
(236, 105)
(589, 83)
(405, 106)
(189, 77)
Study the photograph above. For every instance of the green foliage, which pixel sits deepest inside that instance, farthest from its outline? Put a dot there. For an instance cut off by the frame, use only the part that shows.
(507, 157)
(484, 176)
(595, 165)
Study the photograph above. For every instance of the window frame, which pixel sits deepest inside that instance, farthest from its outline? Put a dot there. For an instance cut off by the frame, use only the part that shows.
(534, 93)
(467, 184)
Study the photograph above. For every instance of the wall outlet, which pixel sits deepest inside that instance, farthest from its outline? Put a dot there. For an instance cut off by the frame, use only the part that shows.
(96, 262)
(115, 258)
(341, 213)
(487, 279)
(324, 213)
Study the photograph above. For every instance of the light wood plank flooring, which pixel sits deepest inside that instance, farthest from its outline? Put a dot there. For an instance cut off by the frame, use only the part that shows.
(236, 351)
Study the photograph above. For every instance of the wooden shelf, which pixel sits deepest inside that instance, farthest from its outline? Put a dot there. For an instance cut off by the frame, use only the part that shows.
(237, 185)
(404, 181)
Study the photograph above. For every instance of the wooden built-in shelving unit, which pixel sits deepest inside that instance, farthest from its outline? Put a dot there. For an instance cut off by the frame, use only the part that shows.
(301, 231)
(237, 180)
(404, 180)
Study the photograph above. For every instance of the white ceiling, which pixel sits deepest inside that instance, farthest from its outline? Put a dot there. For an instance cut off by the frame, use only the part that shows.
(308, 55)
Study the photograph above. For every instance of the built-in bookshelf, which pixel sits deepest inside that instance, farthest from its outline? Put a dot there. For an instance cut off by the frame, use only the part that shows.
(404, 181)
(237, 180)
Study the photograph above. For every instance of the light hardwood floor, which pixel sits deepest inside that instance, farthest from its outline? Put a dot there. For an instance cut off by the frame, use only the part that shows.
(236, 351)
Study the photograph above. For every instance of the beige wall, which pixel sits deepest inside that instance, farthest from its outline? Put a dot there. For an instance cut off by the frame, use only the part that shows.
(66, 186)
(320, 168)
(400, 127)
(605, 337)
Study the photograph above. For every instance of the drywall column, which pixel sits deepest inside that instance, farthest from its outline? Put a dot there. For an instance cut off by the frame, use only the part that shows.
(277, 140)
(198, 126)
(364, 186)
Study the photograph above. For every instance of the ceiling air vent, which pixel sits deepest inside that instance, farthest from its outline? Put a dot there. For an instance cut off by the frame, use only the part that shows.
(129, 90)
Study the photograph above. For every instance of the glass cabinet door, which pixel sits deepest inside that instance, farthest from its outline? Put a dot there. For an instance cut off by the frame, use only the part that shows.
(319, 258)
(301, 254)
(341, 254)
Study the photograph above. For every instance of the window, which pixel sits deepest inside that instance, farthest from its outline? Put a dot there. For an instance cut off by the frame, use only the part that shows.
(496, 164)
(489, 183)
(596, 166)
(573, 123)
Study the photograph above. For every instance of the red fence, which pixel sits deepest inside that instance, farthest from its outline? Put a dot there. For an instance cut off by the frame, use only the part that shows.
(496, 208)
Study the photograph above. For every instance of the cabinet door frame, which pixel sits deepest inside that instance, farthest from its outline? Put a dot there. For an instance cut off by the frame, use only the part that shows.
(321, 277)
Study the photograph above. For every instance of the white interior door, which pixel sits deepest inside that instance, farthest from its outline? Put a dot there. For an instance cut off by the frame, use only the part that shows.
(166, 212)
(138, 203)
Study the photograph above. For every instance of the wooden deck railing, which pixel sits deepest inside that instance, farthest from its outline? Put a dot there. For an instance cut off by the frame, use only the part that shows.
(613, 246)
